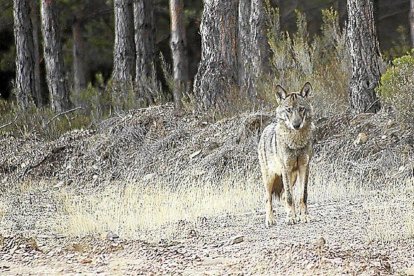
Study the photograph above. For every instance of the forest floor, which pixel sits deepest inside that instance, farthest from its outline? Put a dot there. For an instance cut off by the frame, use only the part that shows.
(155, 192)
(333, 243)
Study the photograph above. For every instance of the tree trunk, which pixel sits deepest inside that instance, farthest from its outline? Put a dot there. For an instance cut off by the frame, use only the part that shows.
(124, 52)
(218, 71)
(412, 22)
(365, 56)
(40, 93)
(260, 46)
(25, 65)
(179, 50)
(55, 75)
(245, 47)
(254, 50)
(79, 59)
(145, 73)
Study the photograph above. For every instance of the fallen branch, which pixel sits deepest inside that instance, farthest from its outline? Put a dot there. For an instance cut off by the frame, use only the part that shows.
(12, 122)
(44, 159)
(62, 113)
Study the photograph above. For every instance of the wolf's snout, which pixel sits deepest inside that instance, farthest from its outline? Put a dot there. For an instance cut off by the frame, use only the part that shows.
(296, 125)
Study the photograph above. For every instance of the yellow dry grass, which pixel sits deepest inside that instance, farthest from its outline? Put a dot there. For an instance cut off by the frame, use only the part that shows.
(2, 210)
(138, 208)
(390, 214)
(151, 210)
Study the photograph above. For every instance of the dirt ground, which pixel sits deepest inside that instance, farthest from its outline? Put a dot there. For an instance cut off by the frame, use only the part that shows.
(332, 243)
(366, 230)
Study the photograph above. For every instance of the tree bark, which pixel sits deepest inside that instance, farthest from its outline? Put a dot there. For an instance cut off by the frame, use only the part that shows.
(245, 47)
(412, 22)
(55, 75)
(145, 73)
(25, 65)
(365, 56)
(124, 52)
(178, 46)
(218, 69)
(254, 50)
(40, 93)
(79, 58)
(260, 46)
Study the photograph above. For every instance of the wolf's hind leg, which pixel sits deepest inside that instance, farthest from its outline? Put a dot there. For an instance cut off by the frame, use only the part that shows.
(269, 187)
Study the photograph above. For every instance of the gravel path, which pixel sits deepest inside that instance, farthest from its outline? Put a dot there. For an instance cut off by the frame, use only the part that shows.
(333, 243)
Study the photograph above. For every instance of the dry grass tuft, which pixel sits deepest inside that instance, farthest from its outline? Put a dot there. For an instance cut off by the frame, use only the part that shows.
(139, 210)
(390, 213)
(2, 210)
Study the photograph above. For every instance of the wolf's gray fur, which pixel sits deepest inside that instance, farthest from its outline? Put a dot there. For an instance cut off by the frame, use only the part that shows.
(285, 150)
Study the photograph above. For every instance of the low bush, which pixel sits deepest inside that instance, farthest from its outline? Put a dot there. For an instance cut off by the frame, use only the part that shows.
(323, 60)
(397, 87)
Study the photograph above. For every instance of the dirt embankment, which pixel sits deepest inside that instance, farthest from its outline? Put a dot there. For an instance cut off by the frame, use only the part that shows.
(160, 142)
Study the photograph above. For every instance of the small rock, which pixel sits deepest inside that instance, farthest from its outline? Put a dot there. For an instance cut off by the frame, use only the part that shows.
(337, 261)
(95, 177)
(401, 169)
(112, 236)
(86, 261)
(70, 256)
(236, 240)
(383, 137)
(320, 242)
(310, 266)
(59, 184)
(376, 263)
(148, 177)
(194, 154)
(362, 138)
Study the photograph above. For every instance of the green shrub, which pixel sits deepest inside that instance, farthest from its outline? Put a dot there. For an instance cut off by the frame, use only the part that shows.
(39, 121)
(397, 87)
(95, 100)
(323, 60)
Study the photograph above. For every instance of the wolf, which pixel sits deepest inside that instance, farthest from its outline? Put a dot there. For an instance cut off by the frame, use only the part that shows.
(285, 151)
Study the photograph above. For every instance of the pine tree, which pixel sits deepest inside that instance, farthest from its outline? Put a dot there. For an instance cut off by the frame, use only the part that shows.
(365, 56)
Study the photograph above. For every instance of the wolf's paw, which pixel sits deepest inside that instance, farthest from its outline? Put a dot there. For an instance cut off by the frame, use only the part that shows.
(290, 220)
(304, 218)
(270, 220)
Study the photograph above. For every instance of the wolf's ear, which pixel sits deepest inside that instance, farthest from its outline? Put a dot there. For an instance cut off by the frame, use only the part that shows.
(306, 89)
(281, 93)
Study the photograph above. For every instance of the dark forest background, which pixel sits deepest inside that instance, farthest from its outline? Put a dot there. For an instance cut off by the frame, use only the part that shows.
(97, 30)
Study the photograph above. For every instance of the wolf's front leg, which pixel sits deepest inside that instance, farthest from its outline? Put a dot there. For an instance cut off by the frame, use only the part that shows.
(289, 202)
(303, 186)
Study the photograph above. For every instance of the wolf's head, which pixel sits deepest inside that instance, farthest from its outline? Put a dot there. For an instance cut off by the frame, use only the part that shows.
(294, 108)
